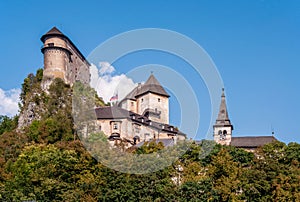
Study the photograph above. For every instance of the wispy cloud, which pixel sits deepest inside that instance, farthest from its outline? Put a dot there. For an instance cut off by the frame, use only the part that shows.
(9, 102)
(107, 84)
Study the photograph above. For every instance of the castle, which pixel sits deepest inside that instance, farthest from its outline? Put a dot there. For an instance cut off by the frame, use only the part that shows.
(63, 60)
(144, 113)
(141, 116)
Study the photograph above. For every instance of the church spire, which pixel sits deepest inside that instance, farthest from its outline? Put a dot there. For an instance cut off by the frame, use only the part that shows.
(223, 118)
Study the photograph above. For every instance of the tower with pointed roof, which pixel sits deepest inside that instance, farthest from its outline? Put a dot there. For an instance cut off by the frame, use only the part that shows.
(149, 99)
(223, 127)
(62, 59)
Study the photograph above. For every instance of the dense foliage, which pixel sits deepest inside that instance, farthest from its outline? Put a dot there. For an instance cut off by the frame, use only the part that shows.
(47, 162)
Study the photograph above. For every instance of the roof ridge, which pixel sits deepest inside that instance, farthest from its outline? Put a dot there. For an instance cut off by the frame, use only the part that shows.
(54, 30)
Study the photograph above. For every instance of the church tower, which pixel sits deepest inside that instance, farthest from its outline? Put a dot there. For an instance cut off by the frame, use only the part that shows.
(223, 127)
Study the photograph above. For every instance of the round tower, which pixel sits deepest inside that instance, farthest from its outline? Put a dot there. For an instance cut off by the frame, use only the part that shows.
(56, 55)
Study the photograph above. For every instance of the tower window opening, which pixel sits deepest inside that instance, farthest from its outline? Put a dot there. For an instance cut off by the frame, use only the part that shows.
(158, 99)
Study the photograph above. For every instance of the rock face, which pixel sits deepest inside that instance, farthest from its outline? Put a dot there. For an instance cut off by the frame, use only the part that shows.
(62, 60)
(40, 105)
(28, 115)
(32, 110)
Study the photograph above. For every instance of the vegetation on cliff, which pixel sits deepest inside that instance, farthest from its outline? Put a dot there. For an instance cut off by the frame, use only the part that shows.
(44, 161)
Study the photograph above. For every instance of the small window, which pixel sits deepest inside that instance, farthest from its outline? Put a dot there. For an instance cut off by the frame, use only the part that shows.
(115, 126)
(50, 44)
(137, 129)
(132, 104)
(142, 100)
(158, 99)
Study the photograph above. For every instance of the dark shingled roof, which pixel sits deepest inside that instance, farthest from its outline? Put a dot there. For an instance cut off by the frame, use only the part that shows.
(111, 113)
(166, 142)
(54, 31)
(115, 112)
(223, 119)
(251, 142)
(132, 94)
(152, 85)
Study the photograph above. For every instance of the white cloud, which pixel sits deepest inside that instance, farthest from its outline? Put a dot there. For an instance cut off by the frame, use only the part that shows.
(9, 102)
(105, 68)
(106, 84)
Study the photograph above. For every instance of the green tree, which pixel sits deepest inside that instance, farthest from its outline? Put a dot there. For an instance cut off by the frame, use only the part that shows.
(225, 174)
(8, 124)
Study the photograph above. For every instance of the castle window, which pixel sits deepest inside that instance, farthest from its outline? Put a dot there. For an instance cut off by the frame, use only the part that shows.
(115, 126)
(142, 100)
(50, 44)
(158, 99)
(137, 129)
(132, 104)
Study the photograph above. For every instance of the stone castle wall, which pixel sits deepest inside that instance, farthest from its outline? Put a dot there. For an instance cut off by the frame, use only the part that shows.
(154, 102)
(62, 60)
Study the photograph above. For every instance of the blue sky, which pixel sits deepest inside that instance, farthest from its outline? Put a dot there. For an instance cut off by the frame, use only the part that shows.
(255, 45)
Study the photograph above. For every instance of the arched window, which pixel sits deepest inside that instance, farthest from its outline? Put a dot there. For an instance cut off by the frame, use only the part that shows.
(225, 132)
(220, 132)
